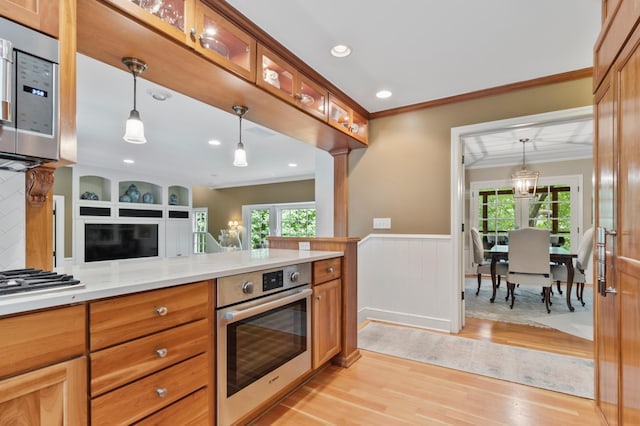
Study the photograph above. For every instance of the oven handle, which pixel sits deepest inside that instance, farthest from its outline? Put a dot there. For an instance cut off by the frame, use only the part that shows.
(233, 316)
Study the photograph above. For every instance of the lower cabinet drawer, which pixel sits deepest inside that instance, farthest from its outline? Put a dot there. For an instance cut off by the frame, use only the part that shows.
(119, 365)
(139, 399)
(326, 270)
(192, 410)
(123, 318)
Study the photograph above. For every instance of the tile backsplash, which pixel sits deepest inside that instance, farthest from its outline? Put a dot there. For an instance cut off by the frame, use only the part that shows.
(12, 220)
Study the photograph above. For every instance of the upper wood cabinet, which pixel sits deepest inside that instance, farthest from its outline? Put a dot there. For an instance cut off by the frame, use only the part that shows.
(41, 15)
(175, 18)
(277, 76)
(343, 117)
(224, 43)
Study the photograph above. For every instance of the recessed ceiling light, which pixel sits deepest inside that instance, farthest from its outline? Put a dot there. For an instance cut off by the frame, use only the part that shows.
(340, 50)
(383, 94)
(128, 161)
(292, 165)
(214, 142)
(159, 95)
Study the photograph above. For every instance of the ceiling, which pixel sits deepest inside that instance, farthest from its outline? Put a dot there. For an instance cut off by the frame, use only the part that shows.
(423, 51)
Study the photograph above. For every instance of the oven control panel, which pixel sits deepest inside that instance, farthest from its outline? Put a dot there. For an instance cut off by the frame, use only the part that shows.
(242, 287)
(272, 280)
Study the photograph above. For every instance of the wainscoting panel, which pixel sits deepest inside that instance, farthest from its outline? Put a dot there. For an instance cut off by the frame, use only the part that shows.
(12, 220)
(406, 279)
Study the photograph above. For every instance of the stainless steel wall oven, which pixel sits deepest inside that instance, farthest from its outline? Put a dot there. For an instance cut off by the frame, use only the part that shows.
(263, 336)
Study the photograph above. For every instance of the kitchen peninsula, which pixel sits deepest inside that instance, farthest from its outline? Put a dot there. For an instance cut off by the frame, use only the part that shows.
(142, 334)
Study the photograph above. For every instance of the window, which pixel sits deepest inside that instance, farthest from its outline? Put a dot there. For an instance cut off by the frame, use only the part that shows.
(200, 228)
(556, 207)
(286, 220)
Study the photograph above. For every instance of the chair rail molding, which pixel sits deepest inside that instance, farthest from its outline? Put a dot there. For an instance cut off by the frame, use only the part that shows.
(407, 279)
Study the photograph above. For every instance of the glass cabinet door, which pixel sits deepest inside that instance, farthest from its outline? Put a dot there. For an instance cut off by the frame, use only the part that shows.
(311, 97)
(225, 44)
(172, 17)
(359, 127)
(275, 74)
(339, 115)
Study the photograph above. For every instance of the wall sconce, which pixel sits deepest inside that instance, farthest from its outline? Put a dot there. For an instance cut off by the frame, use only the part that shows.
(240, 156)
(134, 131)
(525, 182)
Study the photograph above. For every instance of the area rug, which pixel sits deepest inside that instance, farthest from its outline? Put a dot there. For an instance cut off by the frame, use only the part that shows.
(528, 308)
(545, 370)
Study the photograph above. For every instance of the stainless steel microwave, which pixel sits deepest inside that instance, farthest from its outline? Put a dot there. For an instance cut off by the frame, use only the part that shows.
(29, 97)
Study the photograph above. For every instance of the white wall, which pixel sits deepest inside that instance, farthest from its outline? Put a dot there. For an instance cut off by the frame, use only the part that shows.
(12, 220)
(324, 194)
(407, 279)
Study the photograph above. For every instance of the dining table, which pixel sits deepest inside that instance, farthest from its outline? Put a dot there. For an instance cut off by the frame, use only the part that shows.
(558, 255)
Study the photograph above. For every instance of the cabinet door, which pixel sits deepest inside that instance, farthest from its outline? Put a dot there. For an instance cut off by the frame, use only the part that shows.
(179, 238)
(326, 321)
(225, 44)
(311, 97)
(276, 75)
(54, 395)
(173, 17)
(339, 114)
(41, 15)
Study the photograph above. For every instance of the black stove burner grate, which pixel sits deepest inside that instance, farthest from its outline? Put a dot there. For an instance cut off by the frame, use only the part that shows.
(30, 279)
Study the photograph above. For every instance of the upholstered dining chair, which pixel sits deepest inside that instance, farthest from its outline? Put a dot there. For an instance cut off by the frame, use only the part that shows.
(483, 266)
(559, 272)
(529, 262)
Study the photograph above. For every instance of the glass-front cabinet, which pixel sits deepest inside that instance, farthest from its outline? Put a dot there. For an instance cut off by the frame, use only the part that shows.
(346, 119)
(282, 79)
(172, 17)
(224, 43)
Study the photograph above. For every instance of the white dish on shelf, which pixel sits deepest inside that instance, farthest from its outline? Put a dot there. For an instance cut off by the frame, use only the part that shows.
(307, 99)
(214, 44)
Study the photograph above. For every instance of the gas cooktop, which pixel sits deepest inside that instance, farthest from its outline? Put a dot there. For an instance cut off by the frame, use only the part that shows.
(30, 280)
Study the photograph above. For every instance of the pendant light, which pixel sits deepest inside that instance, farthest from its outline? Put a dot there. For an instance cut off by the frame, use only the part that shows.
(134, 131)
(525, 182)
(240, 156)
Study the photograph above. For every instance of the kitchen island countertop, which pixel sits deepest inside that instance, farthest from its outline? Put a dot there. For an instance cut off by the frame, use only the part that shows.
(114, 278)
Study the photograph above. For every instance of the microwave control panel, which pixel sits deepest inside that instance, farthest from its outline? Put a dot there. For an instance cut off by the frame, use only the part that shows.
(34, 94)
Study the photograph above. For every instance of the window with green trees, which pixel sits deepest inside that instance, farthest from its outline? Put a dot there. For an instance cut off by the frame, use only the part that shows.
(287, 220)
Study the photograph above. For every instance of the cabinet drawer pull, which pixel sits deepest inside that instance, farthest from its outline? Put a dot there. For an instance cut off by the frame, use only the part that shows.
(162, 392)
(162, 311)
(318, 297)
(330, 269)
(162, 352)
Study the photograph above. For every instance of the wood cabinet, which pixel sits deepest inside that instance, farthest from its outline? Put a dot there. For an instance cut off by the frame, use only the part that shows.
(42, 368)
(326, 310)
(277, 76)
(174, 18)
(41, 15)
(151, 355)
(225, 44)
(343, 117)
(617, 200)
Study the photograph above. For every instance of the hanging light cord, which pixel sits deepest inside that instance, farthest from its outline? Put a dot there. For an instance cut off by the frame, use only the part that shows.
(523, 158)
(135, 80)
(240, 144)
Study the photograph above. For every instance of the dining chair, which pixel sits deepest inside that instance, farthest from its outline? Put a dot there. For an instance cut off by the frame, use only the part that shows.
(529, 262)
(483, 265)
(559, 272)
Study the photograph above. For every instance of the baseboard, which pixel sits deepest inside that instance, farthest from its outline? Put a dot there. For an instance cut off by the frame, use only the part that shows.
(439, 324)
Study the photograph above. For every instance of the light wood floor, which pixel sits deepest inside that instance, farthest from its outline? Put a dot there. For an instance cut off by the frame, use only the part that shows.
(383, 390)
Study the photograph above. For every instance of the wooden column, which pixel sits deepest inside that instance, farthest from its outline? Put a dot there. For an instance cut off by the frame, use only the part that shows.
(340, 193)
(39, 218)
(349, 246)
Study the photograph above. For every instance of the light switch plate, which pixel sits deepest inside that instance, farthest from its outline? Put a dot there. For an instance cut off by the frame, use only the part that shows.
(304, 245)
(381, 223)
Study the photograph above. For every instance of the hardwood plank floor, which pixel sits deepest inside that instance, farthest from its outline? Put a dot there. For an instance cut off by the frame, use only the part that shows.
(383, 390)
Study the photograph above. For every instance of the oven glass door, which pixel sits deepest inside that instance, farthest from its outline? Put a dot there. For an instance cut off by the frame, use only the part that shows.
(263, 342)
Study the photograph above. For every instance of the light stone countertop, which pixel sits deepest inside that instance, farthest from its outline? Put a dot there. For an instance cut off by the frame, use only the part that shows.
(114, 278)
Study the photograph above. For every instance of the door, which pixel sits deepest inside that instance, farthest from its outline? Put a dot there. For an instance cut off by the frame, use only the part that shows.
(627, 254)
(606, 305)
(618, 203)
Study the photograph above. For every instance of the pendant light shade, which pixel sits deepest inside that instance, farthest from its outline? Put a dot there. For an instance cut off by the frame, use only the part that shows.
(240, 155)
(525, 182)
(134, 130)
